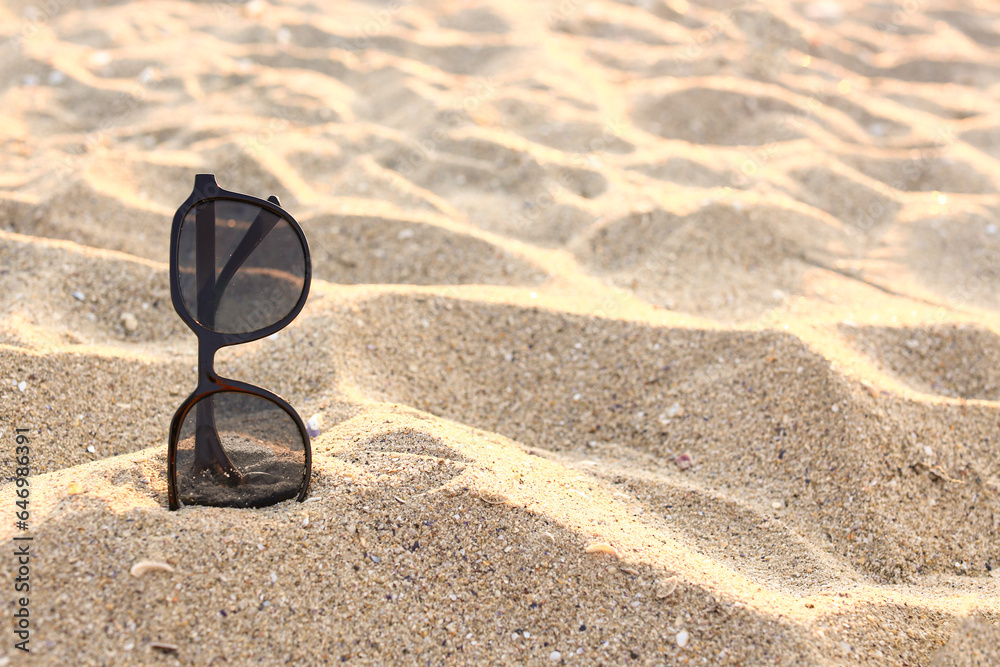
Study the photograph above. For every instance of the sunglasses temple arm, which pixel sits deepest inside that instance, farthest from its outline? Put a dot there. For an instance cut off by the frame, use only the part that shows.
(208, 451)
(205, 263)
(259, 229)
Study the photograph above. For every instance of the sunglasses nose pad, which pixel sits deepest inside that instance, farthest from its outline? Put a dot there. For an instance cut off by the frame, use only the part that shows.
(274, 200)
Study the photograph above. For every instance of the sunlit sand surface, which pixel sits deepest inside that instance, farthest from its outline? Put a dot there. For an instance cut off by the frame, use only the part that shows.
(659, 332)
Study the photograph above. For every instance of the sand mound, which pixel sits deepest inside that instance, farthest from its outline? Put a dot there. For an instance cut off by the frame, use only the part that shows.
(81, 213)
(684, 172)
(360, 249)
(951, 361)
(116, 412)
(85, 296)
(533, 119)
(924, 174)
(735, 118)
(704, 262)
(466, 572)
(971, 645)
(846, 198)
(500, 188)
(668, 404)
(479, 19)
(957, 256)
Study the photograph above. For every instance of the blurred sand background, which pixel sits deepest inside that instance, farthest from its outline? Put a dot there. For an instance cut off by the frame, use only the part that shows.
(711, 283)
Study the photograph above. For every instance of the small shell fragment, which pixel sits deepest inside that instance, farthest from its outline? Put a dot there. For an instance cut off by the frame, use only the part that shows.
(684, 461)
(130, 323)
(666, 588)
(629, 570)
(144, 566)
(74, 488)
(601, 548)
(682, 638)
(163, 646)
(314, 424)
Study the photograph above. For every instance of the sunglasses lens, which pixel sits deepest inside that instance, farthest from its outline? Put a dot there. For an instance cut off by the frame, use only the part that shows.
(241, 267)
(239, 450)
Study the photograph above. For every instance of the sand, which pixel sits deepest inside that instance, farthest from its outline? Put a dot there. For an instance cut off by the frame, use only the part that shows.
(661, 332)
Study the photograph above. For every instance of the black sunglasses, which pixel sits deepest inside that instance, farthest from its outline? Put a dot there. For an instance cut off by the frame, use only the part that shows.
(239, 271)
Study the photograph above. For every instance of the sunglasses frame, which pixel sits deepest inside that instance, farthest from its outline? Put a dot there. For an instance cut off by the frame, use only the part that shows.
(209, 342)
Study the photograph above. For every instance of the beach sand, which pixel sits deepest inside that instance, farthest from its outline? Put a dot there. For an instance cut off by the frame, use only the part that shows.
(653, 332)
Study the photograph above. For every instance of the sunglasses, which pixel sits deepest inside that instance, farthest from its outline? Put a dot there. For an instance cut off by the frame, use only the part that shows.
(239, 271)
